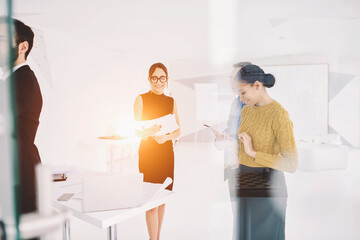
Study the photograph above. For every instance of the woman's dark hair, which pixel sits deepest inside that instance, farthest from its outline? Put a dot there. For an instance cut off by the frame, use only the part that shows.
(155, 66)
(252, 73)
(241, 64)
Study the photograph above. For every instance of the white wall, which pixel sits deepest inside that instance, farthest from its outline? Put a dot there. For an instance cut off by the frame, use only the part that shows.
(94, 56)
(98, 56)
(302, 32)
(90, 94)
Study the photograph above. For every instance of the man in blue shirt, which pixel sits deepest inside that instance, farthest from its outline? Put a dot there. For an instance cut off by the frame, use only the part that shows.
(229, 142)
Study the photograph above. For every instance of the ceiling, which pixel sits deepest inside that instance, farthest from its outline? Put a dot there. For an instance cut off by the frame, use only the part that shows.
(202, 30)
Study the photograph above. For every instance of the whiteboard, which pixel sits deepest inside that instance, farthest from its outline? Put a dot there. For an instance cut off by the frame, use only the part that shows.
(207, 101)
(303, 91)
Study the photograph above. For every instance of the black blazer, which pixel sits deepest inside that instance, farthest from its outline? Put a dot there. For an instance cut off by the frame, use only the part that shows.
(28, 107)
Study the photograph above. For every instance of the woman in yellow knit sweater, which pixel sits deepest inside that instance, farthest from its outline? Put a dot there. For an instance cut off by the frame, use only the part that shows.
(267, 148)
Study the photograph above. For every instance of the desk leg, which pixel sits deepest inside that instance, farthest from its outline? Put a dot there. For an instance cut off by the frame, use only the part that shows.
(66, 230)
(112, 158)
(112, 232)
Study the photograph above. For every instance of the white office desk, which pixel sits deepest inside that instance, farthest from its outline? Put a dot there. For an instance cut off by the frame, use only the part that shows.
(101, 219)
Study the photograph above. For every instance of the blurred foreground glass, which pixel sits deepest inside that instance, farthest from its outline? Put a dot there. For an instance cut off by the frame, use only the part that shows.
(9, 183)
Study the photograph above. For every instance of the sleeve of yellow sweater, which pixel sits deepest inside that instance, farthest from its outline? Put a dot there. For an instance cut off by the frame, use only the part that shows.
(287, 160)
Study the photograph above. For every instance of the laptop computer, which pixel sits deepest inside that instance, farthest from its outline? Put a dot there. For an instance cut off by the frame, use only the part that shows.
(110, 192)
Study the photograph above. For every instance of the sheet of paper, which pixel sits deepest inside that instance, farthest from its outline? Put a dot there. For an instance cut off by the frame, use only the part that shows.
(152, 190)
(168, 124)
(78, 195)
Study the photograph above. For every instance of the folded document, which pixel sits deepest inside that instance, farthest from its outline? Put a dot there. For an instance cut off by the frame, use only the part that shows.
(118, 191)
(168, 124)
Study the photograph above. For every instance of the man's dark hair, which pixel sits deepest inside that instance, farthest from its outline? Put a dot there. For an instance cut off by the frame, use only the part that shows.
(23, 33)
(241, 64)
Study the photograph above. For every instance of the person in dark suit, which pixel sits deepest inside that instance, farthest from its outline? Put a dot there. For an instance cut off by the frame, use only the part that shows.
(28, 105)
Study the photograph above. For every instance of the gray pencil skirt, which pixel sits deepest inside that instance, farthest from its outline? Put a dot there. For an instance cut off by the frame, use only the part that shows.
(260, 218)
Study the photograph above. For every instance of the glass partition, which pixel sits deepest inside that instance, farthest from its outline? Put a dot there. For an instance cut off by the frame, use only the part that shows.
(9, 215)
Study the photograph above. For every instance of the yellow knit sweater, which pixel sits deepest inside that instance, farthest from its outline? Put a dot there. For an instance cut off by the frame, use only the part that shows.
(272, 137)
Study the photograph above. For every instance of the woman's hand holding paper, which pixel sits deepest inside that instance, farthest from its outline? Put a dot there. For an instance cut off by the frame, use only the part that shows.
(145, 133)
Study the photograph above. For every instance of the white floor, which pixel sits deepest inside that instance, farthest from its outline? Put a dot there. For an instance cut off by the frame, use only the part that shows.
(321, 205)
